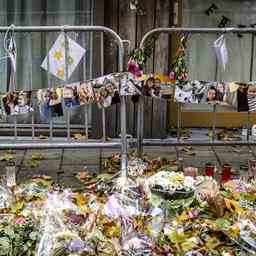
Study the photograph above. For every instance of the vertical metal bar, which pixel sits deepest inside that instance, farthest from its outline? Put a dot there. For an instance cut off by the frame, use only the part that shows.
(216, 69)
(251, 78)
(102, 73)
(124, 161)
(102, 53)
(103, 124)
(49, 86)
(15, 128)
(86, 129)
(140, 126)
(66, 80)
(179, 122)
(252, 56)
(30, 43)
(214, 123)
(248, 126)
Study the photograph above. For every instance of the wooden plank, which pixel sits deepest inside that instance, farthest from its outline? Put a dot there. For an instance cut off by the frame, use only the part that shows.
(204, 119)
(127, 26)
(111, 21)
(111, 120)
(96, 122)
(159, 118)
(135, 112)
(161, 53)
(146, 23)
(129, 115)
(148, 117)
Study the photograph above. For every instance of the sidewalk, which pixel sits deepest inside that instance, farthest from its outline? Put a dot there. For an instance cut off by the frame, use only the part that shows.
(62, 165)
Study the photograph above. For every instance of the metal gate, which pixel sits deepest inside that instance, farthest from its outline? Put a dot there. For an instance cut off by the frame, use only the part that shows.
(178, 142)
(31, 142)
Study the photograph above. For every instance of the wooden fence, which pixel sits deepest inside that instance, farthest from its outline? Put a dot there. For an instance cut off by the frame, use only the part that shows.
(131, 26)
(154, 119)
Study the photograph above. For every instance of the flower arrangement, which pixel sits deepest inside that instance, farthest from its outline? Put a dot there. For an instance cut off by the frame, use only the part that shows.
(138, 57)
(179, 70)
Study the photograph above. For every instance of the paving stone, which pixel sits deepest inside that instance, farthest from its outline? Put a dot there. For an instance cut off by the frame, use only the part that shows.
(81, 157)
(43, 165)
(68, 170)
(48, 154)
(24, 175)
(18, 158)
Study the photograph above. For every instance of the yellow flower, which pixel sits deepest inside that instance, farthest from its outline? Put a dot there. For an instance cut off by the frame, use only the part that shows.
(70, 60)
(60, 72)
(183, 217)
(58, 55)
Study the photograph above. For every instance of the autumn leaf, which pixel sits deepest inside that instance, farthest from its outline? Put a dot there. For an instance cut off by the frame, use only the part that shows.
(7, 157)
(233, 206)
(212, 243)
(189, 244)
(81, 200)
(17, 207)
(31, 163)
(43, 137)
(37, 156)
(176, 237)
(79, 136)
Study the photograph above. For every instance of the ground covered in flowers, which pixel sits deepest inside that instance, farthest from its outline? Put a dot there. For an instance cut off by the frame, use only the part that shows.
(155, 210)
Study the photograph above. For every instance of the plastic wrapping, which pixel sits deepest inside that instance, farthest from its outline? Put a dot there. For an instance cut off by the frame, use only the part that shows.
(57, 236)
(6, 198)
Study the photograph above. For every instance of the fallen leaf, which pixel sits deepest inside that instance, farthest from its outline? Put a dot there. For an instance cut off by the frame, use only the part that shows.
(32, 163)
(7, 157)
(37, 156)
(79, 136)
(43, 137)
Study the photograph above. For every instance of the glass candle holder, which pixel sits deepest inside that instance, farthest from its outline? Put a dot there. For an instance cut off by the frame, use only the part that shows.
(10, 174)
(225, 173)
(209, 170)
(191, 171)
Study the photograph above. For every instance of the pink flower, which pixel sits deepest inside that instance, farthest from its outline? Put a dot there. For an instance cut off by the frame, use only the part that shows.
(134, 68)
(184, 77)
(172, 76)
(193, 214)
(20, 221)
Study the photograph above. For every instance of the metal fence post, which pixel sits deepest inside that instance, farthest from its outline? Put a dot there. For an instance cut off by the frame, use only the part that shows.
(140, 126)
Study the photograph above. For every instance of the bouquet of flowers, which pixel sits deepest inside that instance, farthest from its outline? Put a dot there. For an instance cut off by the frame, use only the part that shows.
(179, 70)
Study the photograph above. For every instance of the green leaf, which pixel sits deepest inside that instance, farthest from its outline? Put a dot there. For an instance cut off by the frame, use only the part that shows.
(222, 224)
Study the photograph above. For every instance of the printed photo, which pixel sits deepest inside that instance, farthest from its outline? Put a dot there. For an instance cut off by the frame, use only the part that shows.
(108, 93)
(50, 103)
(129, 85)
(71, 95)
(85, 93)
(252, 169)
(16, 103)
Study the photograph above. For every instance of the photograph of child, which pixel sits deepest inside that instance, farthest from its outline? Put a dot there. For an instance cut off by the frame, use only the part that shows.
(50, 103)
(252, 169)
(212, 95)
(55, 103)
(251, 96)
(105, 94)
(242, 100)
(17, 103)
(71, 95)
(85, 93)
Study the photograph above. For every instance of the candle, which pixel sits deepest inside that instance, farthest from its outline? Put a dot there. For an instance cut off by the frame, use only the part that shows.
(209, 170)
(225, 173)
(10, 174)
(191, 171)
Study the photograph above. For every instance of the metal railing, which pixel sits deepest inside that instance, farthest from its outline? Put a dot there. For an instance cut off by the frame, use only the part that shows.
(16, 142)
(178, 142)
